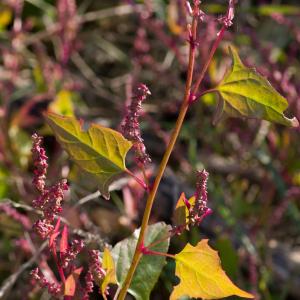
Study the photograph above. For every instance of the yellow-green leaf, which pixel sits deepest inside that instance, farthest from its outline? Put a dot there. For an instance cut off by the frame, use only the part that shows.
(99, 150)
(201, 275)
(109, 266)
(6, 16)
(181, 213)
(248, 94)
(63, 104)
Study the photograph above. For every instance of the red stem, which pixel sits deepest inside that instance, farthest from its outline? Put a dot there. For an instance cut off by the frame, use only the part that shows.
(138, 180)
(208, 61)
(59, 267)
(147, 251)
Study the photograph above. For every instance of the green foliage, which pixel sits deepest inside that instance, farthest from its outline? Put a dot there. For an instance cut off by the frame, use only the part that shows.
(99, 150)
(245, 93)
(150, 266)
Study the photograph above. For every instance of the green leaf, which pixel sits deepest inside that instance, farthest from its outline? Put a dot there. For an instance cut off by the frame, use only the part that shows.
(100, 151)
(201, 275)
(109, 266)
(248, 94)
(150, 266)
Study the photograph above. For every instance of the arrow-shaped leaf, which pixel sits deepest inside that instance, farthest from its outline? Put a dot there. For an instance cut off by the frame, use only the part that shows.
(100, 151)
(248, 94)
(201, 275)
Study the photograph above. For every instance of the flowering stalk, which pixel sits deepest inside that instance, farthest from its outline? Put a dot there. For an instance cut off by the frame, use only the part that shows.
(183, 110)
(200, 210)
(131, 130)
(50, 203)
(187, 100)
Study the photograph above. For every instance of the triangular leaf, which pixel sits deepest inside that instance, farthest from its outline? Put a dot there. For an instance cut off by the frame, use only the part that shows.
(181, 213)
(201, 275)
(248, 94)
(150, 266)
(109, 267)
(100, 151)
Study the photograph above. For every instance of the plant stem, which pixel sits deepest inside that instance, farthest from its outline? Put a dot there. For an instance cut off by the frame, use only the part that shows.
(204, 93)
(59, 268)
(160, 240)
(184, 107)
(147, 251)
(138, 180)
(210, 56)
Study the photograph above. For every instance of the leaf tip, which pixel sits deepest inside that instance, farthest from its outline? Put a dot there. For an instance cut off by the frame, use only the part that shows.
(294, 122)
(235, 56)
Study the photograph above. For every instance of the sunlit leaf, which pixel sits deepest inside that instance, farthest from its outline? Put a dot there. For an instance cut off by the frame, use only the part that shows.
(172, 17)
(181, 213)
(70, 284)
(201, 275)
(109, 266)
(6, 15)
(100, 151)
(248, 94)
(63, 104)
(150, 266)
(4, 183)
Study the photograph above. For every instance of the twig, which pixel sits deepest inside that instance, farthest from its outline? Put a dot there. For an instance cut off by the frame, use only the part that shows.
(110, 12)
(88, 198)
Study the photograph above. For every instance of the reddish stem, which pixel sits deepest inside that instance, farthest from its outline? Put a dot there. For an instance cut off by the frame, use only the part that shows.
(59, 267)
(147, 251)
(208, 61)
(138, 180)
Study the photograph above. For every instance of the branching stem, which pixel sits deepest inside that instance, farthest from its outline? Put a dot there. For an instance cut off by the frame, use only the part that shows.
(184, 107)
(187, 100)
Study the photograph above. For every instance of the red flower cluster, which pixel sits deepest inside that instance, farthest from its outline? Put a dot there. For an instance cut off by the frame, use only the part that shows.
(40, 163)
(200, 210)
(50, 199)
(54, 289)
(131, 126)
(71, 253)
(95, 265)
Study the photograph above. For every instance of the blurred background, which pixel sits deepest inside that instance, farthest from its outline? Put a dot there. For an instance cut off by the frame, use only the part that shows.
(85, 59)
